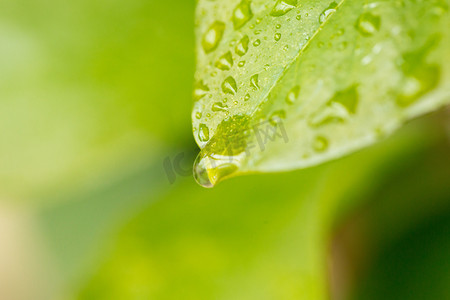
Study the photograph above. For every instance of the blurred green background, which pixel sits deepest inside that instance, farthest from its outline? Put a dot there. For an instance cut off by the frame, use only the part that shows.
(96, 95)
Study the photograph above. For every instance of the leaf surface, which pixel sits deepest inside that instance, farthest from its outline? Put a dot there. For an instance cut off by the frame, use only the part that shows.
(282, 85)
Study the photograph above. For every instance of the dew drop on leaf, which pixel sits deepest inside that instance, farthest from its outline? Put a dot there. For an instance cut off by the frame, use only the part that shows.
(327, 12)
(338, 109)
(282, 7)
(293, 94)
(368, 24)
(200, 90)
(420, 77)
(203, 133)
(242, 46)
(242, 14)
(320, 144)
(254, 82)
(225, 62)
(218, 106)
(277, 116)
(229, 86)
(213, 36)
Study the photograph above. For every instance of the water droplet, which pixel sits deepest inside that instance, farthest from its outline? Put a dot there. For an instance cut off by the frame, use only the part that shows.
(213, 36)
(338, 109)
(254, 82)
(293, 94)
(242, 14)
(277, 117)
(420, 77)
(198, 115)
(241, 63)
(242, 46)
(257, 32)
(247, 97)
(218, 106)
(200, 91)
(257, 43)
(368, 24)
(210, 170)
(203, 133)
(282, 7)
(277, 36)
(223, 154)
(342, 46)
(225, 62)
(327, 12)
(320, 144)
(278, 26)
(229, 86)
(298, 17)
(286, 48)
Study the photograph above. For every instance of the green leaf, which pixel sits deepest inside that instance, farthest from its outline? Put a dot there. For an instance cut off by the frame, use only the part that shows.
(292, 84)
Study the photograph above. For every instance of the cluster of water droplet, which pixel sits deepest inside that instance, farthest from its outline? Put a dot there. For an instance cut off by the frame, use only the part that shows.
(243, 57)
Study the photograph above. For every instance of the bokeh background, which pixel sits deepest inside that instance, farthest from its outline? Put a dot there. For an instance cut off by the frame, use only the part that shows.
(95, 97)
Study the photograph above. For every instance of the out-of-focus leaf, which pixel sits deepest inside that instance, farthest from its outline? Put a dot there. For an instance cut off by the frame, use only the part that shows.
(332, 76)
(262, 237)
(87, 90)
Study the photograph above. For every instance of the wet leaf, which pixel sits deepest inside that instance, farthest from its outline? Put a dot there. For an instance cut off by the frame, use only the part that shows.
(304, 82)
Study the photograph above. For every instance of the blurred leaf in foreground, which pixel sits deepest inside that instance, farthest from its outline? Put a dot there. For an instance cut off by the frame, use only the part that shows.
(335, 75)
(85, 89)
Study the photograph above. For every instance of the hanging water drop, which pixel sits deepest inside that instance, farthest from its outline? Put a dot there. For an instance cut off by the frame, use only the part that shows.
(210, 170)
